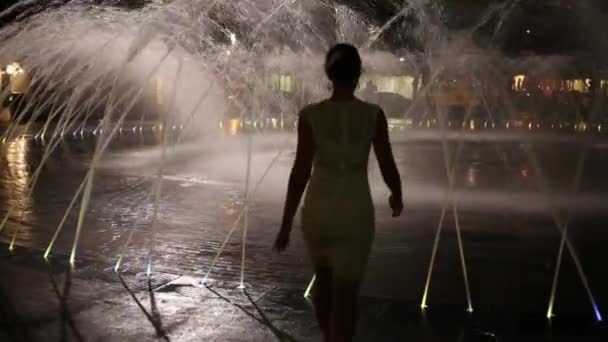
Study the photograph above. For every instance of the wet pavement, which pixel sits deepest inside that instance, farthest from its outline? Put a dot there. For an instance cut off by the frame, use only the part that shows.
(508, 191)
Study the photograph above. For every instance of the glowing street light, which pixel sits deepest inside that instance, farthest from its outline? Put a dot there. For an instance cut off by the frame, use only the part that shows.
(14, 69)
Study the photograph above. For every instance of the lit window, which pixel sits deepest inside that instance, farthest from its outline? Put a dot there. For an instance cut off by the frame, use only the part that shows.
(581, 86)
(402, 85)
(282, 83)
(518, 82)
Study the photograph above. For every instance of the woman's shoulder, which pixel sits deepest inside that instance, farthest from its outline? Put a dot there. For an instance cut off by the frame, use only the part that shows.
(370, 107)
(311, 108)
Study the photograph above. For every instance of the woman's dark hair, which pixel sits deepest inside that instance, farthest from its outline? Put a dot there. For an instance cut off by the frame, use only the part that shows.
(343, 63)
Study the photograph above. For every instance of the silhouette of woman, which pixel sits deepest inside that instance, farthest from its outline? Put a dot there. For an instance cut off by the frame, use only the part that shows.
(335, 136)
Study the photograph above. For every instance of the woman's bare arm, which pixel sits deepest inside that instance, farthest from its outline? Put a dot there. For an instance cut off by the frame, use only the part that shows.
(298, 179)
(386, 160)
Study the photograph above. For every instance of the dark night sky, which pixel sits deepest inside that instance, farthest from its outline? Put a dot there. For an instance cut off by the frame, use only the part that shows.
(556, 26)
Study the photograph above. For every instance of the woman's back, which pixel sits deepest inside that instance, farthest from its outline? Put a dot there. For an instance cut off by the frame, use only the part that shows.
(342, 130)
(338, 194)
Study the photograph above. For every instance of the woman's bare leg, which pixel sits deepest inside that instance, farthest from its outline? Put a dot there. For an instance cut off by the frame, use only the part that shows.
(344, 309)
(322, 298)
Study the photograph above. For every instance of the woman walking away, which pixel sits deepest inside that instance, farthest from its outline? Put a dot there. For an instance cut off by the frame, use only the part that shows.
(335, 136)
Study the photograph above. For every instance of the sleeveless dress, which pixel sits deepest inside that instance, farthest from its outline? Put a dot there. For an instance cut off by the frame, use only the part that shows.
(338, 212)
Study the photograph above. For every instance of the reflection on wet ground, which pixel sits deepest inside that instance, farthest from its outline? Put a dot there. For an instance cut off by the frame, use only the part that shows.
(510, 240)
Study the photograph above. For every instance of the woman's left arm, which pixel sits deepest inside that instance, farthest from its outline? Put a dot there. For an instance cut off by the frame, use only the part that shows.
(298, 179)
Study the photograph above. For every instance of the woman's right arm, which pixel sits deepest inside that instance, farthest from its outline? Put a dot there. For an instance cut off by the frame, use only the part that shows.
(298, 179)
(388, 167)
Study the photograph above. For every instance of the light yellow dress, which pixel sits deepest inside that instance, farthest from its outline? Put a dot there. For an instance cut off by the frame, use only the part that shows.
(338, 212)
